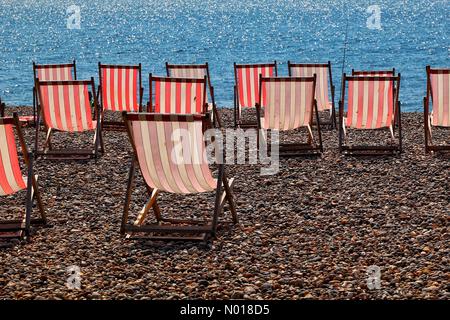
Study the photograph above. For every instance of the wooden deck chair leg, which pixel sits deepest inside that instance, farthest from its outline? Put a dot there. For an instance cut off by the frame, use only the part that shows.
(217, 201)
(156, 209)
(319, 131)
(48, 139)
(341, 126)
(29, 204)
(229, 196)
(128, 196)
(149, 205)
(400, 134)
(38, 198)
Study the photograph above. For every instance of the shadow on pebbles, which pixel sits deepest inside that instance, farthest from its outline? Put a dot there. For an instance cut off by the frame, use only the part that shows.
(310, 231)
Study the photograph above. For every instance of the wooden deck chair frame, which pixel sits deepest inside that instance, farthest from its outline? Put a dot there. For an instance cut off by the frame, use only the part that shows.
(396, 105)
(427, 100)
(20, 229)
(118, 125)
(2, 108)
(310, 148)
(211, 106)
(166, 228)
(36, 68)
(69, 154)
(237, 105)
(332, 123)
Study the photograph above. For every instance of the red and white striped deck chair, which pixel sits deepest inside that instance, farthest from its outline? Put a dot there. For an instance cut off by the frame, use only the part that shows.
(372, 102)
(291, 105)
(324, 85)
(197, 71)
(65, 107)
(50, 72)
(13, 181)
(377, 73)
(246, 89)
(170, 153)
(120, 90)
(178, 95)
(438, 88)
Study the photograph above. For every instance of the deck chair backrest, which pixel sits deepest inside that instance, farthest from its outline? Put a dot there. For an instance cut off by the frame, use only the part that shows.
(171, 152)
(322, 72)
(374, 73)
(54, 72)
(290, 102)
(439, 85)
(66, 105)
(189, 71)
(120, 87)
(178, 95)
(371, 101)
(247, 82)
(11, 178)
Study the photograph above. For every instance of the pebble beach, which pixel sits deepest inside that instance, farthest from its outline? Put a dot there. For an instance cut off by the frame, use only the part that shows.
(308, 232)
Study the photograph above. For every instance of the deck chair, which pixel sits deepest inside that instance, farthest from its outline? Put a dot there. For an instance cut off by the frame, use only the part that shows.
(65, 107)
(324, 85)
(290, 104)
(371, 105)
(378, 73)
(246, 89)
(120, 90)
(178, 96)
(170, 153)
(49, 72)
(438, 88)
(13, 181)
(197, 71)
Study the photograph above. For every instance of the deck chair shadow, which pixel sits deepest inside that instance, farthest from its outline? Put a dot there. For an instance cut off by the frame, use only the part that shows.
(197, 71)
(169, 150)
(66, 108)
(372, 103)
(324, 86)
(246, 90)
(12, 181)
(290, 105)
(438, 88)
(120, 90)
(49, 72)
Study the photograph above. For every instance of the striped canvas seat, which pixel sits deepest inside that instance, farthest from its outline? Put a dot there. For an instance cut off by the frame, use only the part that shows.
(54, 72)
(440, 88)
(374, 73)
(322, 72)
(178, 95)
(11, 178)
(289, 103)
(66, 106)
(192, 71)
(120, 87)
(370, 103)
(247, 83)
(171, 153)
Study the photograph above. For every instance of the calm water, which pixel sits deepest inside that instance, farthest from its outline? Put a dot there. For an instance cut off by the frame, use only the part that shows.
(414, 33)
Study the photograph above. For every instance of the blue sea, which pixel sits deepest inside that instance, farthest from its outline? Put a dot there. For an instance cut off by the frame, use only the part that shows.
(411, 34)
